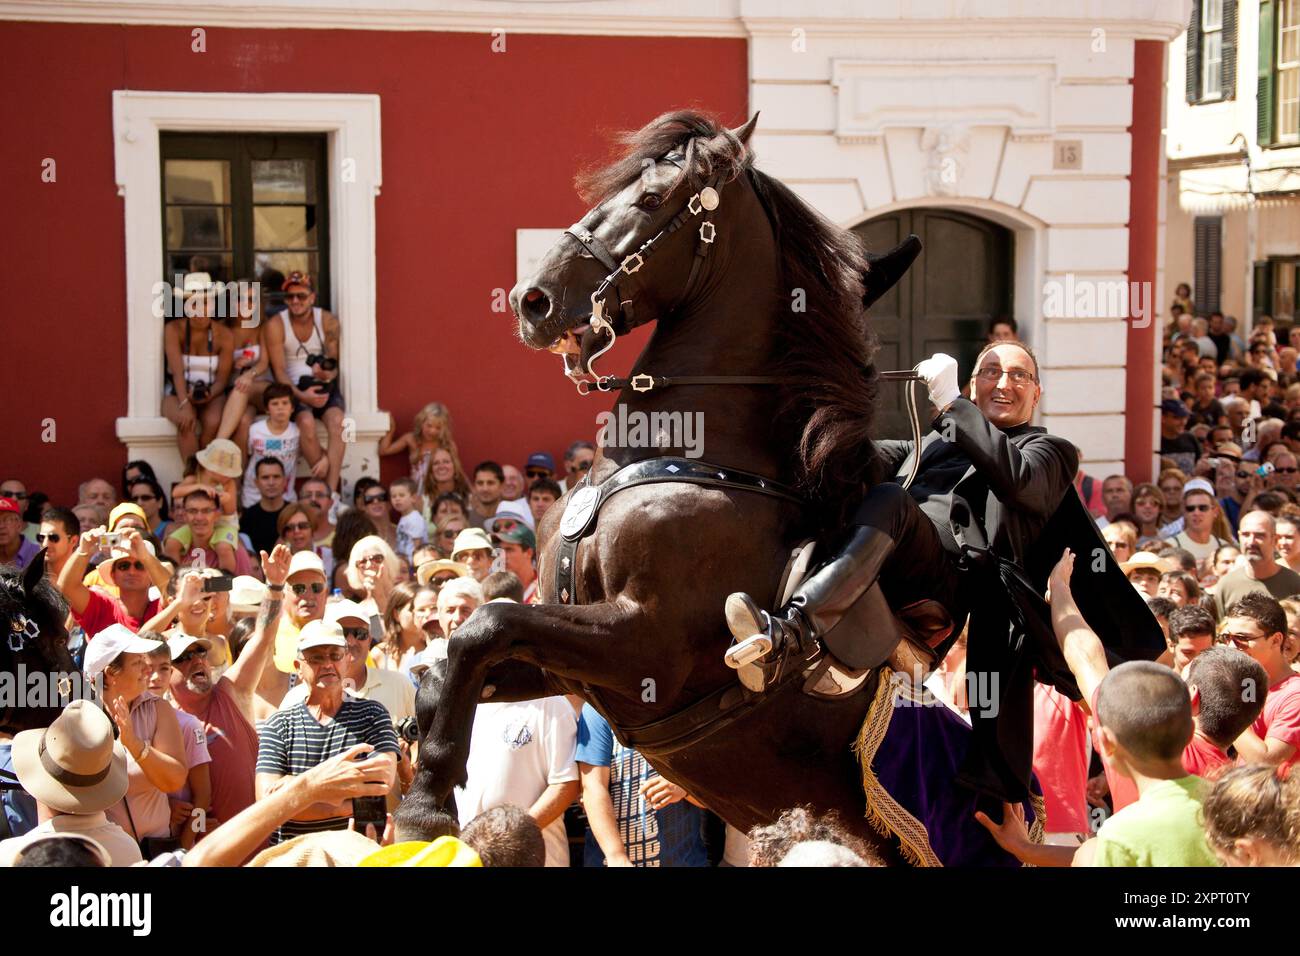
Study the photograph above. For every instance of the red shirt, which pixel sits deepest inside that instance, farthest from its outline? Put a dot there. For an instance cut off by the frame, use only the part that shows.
(1203, 758)
(232, 744)
(104, 610)
(1281, 717)
(1061, 759)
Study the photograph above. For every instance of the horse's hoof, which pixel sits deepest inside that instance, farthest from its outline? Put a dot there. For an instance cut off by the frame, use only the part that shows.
(744, 617)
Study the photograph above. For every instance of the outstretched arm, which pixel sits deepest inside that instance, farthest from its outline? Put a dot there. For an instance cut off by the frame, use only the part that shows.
(247, 671)
(1082, 648)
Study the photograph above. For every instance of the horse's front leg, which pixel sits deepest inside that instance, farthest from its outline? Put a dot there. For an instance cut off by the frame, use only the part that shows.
(575, 642)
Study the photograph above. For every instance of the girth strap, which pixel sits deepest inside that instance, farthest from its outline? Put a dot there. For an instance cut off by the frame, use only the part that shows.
(584, 504)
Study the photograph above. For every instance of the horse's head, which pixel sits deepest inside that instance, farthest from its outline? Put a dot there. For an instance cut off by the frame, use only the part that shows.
(32, 636)
(636, 255)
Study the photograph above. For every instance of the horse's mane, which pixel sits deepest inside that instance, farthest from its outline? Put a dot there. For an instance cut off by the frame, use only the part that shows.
(825, 351)
(28, 596)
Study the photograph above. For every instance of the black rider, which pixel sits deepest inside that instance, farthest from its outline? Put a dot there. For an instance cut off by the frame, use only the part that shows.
(978, 531)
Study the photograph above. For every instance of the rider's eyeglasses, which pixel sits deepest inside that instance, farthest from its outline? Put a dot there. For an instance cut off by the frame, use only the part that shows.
(300, 589)
(1018, 376)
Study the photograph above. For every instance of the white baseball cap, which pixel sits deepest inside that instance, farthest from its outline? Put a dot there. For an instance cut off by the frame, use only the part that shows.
(321, 634)
(103, 648)
(338, 610)
(181, 643)
(306, 561)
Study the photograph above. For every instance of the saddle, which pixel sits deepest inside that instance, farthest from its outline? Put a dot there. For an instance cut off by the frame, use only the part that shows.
(923, 626)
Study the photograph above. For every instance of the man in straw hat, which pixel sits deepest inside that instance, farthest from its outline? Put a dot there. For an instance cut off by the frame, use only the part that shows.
(75, 771)
(131, 567)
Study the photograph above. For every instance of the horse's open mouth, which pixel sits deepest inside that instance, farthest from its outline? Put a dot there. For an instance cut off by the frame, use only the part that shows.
(581, 341)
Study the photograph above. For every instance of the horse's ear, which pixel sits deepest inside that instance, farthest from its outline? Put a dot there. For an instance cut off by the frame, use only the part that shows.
(34, 572)
(743, 133)
(886, 268)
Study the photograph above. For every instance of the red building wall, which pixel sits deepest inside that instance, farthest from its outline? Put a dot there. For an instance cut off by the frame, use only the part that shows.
(475, 145)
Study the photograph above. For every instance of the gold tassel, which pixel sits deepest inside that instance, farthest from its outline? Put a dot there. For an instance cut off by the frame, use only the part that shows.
(884, 813)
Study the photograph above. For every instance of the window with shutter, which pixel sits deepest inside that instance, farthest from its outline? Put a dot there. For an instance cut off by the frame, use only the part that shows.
(1211, 49)
(1193, 58)
(1263, 291)
(1207, 260)
(1229, 50)
(1288, 71)
(1264, 113)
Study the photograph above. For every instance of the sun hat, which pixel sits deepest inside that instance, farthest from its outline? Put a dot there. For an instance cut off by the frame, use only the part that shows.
(222, 457)
(118, 552)
(74, 765)
(471, 539)
(425, 572)
(1148, 560)
(246, 594)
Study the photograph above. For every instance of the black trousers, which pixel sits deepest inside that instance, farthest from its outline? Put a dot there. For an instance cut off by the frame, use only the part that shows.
(924, 563)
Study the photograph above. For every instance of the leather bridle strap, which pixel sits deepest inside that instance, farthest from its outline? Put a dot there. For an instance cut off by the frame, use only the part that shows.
(645, 382)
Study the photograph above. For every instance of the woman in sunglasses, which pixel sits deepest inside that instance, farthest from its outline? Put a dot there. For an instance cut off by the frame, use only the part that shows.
(297, 526)
(445, 530)
(1148, 502)
(372, 572)
(372, 498)
(148, 494)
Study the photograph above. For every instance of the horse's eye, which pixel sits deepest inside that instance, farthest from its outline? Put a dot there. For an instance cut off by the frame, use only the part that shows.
(651, 201)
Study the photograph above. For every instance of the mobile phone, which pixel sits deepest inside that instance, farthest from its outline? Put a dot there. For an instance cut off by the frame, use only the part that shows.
(370, 810)
(222, 583)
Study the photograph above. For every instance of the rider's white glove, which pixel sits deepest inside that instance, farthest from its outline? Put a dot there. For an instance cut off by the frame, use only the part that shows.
(939, 372)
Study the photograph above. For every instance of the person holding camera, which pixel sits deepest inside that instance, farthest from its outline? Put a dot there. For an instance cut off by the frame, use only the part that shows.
(130, 566)
(296, 739)
(200, 352)
(304, 350)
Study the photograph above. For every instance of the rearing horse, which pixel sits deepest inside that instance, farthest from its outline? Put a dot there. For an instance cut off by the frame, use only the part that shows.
(760, 306)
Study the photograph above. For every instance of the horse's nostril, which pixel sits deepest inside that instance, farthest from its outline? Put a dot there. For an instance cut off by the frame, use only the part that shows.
(536, 305)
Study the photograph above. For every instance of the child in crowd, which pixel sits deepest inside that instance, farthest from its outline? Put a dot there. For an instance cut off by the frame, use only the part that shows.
(275, 436)
(431, 431)
(1227, 690)
(219, 467)
(412, 530)
(1252, 817)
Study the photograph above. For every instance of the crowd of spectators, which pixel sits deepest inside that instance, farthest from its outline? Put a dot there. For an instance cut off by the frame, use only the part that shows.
(260, 639)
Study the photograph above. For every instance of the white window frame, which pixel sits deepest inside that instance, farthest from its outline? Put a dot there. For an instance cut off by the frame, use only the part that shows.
(1211, 49)
(351, 123)
(1288, 110)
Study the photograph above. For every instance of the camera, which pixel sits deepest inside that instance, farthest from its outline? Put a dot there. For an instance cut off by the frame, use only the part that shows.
(216, 584)
(323, 362)
(109, 540)
(308, 382)
(199, 391)
(408, 730)
(1265, 469)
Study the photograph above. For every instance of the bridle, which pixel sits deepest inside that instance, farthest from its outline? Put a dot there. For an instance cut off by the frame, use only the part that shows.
(621, 281)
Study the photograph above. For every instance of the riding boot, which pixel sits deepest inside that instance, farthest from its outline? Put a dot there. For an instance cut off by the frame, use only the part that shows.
(841, 605)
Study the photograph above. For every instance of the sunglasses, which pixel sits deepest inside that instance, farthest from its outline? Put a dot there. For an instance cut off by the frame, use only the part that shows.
(124, 565)
(371, 499)
(53, 537)
(19, 495)
(505, 525)
(320, 660)
(139, 498)
(357, 633)
(533, 473)
(1243, 638)
(298, 526)
(369, 559)
(449, 533)
(300, 589)
(582, 466)
(189, 655)
(1286, 471)
(1198, 508)
(297, 295)
(1243, 474)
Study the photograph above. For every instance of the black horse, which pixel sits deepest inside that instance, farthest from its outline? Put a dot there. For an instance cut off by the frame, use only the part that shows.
(33, 643)
(760, 305)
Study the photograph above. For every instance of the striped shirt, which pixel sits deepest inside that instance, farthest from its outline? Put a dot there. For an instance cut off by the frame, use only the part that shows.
(292, 741)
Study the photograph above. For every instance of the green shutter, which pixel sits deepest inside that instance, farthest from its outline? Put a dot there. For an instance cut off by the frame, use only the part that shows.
(1263, 291)
(1229, 49)
(1193, 58)
(1264, 108)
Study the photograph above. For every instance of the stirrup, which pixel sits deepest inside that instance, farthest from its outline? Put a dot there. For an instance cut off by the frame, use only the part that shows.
(748, 651)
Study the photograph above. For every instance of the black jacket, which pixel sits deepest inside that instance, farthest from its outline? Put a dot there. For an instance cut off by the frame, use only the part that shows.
(1012, 513)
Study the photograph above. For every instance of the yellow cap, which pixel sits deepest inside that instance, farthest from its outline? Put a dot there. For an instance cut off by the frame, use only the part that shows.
(444, 851)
